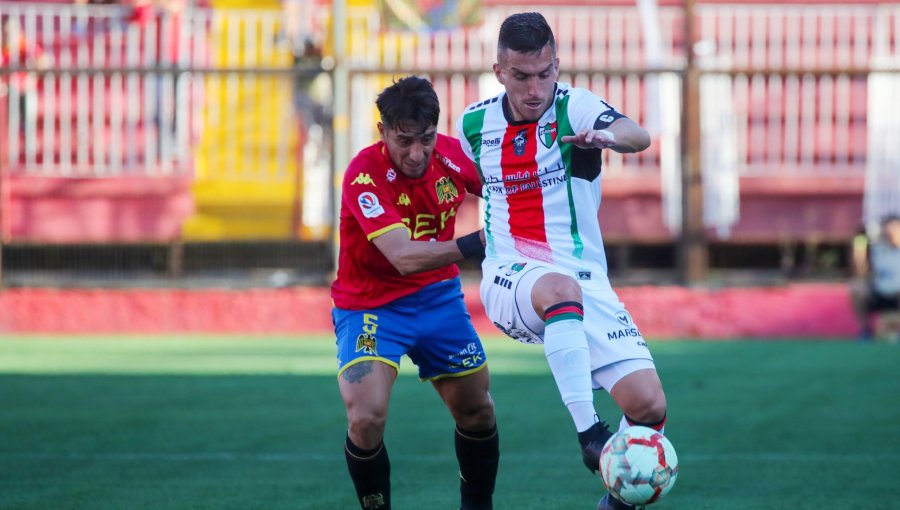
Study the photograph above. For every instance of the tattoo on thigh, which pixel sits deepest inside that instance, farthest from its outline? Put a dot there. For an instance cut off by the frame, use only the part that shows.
(355, 373)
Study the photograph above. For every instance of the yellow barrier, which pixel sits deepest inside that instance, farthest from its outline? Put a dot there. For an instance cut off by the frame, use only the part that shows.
(246, 161)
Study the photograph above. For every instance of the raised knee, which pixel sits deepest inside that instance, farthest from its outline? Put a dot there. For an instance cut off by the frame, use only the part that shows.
(650, 410)
(555, 288)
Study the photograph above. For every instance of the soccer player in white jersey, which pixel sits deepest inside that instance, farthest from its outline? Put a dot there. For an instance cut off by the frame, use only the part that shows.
(537, 147)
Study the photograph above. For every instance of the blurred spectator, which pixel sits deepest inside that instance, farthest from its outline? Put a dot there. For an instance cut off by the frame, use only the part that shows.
(303, 34)
(161, 21)
(876, 265)
(305, 42)
(20, 87)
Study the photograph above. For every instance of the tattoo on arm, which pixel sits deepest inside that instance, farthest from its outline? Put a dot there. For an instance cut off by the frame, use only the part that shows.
(355, 373)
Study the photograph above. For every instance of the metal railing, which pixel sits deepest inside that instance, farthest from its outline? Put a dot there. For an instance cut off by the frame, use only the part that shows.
(798, 92)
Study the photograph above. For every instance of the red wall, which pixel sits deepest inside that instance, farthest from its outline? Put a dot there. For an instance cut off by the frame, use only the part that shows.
(107, 210)
(820, 311)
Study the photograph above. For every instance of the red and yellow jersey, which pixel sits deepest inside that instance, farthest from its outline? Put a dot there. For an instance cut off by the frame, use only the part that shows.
(376, 199)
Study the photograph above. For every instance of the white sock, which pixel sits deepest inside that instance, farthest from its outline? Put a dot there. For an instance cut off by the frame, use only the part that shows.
(570, 362)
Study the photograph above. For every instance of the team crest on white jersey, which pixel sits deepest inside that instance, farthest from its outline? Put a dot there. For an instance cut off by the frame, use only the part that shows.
(519, 142)
(515, 268)
(547, 134)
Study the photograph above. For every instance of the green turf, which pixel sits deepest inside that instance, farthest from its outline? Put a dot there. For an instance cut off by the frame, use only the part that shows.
(256, 423)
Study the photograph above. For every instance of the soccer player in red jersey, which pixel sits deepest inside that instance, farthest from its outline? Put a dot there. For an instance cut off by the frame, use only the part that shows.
(398, 292)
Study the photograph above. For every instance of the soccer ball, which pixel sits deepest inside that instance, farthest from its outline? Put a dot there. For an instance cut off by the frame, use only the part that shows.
(638, 465)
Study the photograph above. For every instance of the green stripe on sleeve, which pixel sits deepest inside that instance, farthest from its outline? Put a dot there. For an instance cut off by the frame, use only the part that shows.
(565, 149)
(473, 125)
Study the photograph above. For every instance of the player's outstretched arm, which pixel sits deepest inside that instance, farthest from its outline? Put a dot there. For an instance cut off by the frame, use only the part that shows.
(623, 135)
(409, 256)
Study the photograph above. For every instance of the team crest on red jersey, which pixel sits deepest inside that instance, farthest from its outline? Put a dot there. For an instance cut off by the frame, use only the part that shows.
(547, 134)
(446, 190)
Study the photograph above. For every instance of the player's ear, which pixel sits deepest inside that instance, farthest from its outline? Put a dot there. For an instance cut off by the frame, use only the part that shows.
(381, 130)
(498, 73)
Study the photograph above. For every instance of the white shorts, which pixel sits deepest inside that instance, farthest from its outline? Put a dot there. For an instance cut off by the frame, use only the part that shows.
(611, 333)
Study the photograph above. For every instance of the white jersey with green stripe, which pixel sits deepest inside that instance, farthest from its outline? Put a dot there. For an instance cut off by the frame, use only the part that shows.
(541, 196)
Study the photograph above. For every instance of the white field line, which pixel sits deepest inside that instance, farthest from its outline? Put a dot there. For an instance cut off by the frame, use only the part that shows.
(329, 457)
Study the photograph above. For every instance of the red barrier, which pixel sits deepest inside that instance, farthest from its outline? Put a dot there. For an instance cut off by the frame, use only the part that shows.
(108, 210)
(819, 311)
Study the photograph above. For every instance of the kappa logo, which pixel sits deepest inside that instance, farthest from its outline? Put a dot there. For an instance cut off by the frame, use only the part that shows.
(624, 318)
(403, 199)
(547, 134)
(364, 179)
(446, 190)
(519, 142)
(369, 205)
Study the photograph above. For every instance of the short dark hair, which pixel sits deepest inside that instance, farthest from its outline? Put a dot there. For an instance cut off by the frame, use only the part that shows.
(889, 218)
(410, 100)
(525, 32)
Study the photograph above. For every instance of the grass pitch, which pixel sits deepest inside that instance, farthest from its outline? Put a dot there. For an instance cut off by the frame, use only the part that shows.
(257, 423)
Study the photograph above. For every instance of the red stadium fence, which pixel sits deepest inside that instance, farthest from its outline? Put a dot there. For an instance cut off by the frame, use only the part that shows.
(773, 125)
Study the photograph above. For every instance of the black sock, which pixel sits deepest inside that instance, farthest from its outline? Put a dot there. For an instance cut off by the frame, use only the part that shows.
(478, 453)
(370, 471)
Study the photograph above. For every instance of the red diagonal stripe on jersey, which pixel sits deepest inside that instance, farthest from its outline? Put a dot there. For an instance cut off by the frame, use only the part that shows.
(526, 202)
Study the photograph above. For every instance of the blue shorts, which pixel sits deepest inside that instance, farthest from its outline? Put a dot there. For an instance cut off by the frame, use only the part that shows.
(431, 326)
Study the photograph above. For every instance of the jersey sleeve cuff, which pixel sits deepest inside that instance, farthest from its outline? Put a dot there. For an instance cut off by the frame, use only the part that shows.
(385, 230)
